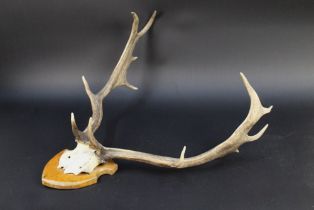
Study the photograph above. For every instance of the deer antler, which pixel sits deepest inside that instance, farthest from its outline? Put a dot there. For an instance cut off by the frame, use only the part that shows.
(232, 144)
(93, 150)
(117, 78)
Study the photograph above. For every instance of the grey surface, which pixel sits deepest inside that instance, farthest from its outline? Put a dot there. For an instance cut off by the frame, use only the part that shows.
(275, 172)
(195, 48)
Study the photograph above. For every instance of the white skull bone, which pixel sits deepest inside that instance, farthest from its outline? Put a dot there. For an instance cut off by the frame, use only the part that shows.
(81, 159)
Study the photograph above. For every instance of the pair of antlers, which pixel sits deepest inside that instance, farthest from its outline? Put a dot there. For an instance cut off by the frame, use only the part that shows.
(118, 78)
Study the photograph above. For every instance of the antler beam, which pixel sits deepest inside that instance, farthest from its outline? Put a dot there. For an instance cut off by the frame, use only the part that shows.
(117, 78)
(231, 145)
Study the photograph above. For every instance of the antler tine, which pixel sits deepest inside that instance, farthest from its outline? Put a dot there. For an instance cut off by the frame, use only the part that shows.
(75, 129)
(148, 24)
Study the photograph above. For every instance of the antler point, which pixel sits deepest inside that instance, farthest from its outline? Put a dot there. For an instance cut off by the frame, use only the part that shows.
(154, 13)
(267, 109)
(131, 86)
(259, 134)
(243, 77)
(182, 153)
(134, 15)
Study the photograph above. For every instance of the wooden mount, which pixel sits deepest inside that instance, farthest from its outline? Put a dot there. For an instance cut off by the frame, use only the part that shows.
(54, 177)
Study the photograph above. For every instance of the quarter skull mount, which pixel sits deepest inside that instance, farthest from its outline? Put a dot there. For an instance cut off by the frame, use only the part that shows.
(81, 167)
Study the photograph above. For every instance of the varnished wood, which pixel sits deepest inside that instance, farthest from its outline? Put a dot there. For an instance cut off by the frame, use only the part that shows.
(55, 178)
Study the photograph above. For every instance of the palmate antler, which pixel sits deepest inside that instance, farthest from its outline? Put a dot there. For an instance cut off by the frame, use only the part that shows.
(89, 152)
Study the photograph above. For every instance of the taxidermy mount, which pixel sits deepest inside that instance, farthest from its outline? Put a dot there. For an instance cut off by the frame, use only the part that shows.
(81, 167)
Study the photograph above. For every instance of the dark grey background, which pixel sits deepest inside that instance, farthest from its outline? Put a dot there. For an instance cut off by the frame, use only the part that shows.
(189, 94)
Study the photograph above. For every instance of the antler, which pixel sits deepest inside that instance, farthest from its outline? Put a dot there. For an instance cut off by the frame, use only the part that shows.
(232, 144)
(91, 149)
(117, 78)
